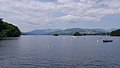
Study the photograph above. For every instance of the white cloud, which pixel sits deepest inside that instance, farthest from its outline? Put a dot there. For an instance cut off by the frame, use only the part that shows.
(91, 10)
(68, 18)
(64, 1)
(44, 13)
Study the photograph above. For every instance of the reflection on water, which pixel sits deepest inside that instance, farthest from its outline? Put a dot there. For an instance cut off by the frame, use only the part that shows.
(59, 52)
(9, 38)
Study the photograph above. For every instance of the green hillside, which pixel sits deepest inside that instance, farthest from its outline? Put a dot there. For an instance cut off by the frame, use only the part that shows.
(8, 30)
(115, 33)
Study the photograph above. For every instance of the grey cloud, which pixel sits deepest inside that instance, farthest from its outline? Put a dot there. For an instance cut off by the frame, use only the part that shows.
(45, 12)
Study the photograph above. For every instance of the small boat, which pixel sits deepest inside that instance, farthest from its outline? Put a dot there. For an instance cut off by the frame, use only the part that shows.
(107, 40)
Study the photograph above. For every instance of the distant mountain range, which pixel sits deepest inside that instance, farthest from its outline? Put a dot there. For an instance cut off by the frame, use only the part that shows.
(67, 31)
(42, 32)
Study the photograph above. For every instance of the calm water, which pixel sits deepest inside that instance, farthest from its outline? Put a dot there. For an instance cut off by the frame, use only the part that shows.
(59, 52)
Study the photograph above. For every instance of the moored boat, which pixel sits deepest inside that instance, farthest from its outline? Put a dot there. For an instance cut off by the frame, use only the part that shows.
(107, 40)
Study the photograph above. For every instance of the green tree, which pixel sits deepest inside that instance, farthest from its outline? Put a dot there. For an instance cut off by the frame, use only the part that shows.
(8, 30)
(56, 35)
(76, 34)
(115, 33)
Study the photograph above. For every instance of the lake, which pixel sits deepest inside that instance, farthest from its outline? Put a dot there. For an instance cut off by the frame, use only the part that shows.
(37, 51)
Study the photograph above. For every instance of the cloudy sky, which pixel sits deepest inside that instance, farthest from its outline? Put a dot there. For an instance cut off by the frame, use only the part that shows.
(61, 14)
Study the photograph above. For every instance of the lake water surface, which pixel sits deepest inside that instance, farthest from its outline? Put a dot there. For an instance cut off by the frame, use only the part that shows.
(59, 52)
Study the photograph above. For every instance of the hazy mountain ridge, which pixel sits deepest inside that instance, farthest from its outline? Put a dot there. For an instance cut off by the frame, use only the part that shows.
(67, 31)
(41, 32)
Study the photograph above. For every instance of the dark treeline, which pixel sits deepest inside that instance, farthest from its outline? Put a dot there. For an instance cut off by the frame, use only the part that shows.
(115, 33)
(8, 30)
